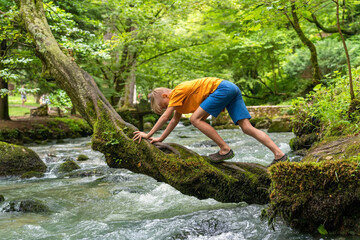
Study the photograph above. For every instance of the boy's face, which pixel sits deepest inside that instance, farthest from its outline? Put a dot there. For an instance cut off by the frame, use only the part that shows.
(164, 102)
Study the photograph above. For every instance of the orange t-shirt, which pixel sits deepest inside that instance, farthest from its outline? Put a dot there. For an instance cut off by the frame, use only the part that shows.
(187, 96)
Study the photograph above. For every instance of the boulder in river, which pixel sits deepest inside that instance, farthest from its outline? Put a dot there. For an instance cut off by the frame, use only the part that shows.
(304, 141)
(280, 125)
(68, 166)
(82, 157)
(32, 174)
(261, 122)
(26, 206)
(16, 160)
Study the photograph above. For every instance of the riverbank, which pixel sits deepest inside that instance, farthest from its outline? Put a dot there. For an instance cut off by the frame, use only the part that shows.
(22, 130)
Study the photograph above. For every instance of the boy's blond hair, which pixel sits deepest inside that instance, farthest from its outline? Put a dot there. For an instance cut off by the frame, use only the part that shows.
(155, 96)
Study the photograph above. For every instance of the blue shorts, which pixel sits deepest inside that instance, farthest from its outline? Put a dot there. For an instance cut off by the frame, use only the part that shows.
(227, 95)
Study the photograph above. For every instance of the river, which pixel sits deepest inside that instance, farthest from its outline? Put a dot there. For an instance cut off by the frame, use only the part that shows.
(118, 204)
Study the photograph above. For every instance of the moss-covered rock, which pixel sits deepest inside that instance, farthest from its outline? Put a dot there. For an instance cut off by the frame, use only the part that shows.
(335, 148)
(312, 196)
(32, 174)
(303, 142)
(26, 206)
(2, 198)
(16, 160)
(148, 126)
(280, 125)
(68, 166)
(222, 119)
(42, 129)
(82, 157)
(261, 122)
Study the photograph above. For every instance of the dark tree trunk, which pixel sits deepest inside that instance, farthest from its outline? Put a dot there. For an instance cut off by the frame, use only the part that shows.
(4, 100)
(314, 60)
(185, 170)
(352, 94)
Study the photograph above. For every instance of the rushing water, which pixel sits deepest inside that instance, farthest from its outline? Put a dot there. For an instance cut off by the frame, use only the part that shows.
(119, 204)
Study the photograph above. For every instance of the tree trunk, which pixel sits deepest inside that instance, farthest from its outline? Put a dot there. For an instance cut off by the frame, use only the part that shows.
(4, 100)
(352, 94)
(314, 61)
(124, 75)
(185, 170)
(130, 82)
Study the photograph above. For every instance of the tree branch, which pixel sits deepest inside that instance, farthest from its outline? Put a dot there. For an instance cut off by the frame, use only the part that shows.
(329, 29)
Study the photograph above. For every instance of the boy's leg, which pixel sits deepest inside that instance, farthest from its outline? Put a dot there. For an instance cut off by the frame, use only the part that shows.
(198, 120)
(261, 136)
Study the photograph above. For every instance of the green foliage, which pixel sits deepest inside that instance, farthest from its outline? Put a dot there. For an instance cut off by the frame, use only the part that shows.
(321, 229)
(331, 58)
(60, 99)
(325, 109)
(250, 43)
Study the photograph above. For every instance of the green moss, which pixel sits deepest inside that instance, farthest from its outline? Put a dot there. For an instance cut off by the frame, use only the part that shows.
(353, 150)
(32, 174)
(307, 195)
(82, 157)
(15, 160)
(68, 166)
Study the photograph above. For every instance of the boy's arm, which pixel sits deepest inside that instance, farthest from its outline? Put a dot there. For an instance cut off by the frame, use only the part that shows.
(160, 122)
(172, 124)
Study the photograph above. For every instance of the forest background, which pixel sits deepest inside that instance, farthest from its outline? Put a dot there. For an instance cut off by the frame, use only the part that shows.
(275, 51)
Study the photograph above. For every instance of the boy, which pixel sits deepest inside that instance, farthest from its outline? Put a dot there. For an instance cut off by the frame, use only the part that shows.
(204, 97)
(22, 91)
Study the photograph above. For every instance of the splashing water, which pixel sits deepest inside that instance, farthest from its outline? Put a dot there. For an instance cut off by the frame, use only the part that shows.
(119, 204)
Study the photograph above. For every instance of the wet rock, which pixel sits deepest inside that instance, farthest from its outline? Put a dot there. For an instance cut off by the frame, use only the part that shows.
(100, 171)
(148, 126)
(60, 141)
(207, 143)
(68, 166)
(32, 174)
(50, 159)
(112, 179)
(2, 198)
(210, 143)
(261, 122)
(16, 160)
(135, 189)
(183, 136)
(26, 206)
(82, 157)
(301, 152)
(280, 125)
(222, 119)
(304, 141)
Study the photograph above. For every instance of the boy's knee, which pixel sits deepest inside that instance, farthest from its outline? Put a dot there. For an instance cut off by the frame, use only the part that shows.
(194, 121)
(247, 129)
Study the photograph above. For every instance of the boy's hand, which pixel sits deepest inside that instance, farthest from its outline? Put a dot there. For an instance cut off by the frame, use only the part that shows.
(154, 140)
(139, 135)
